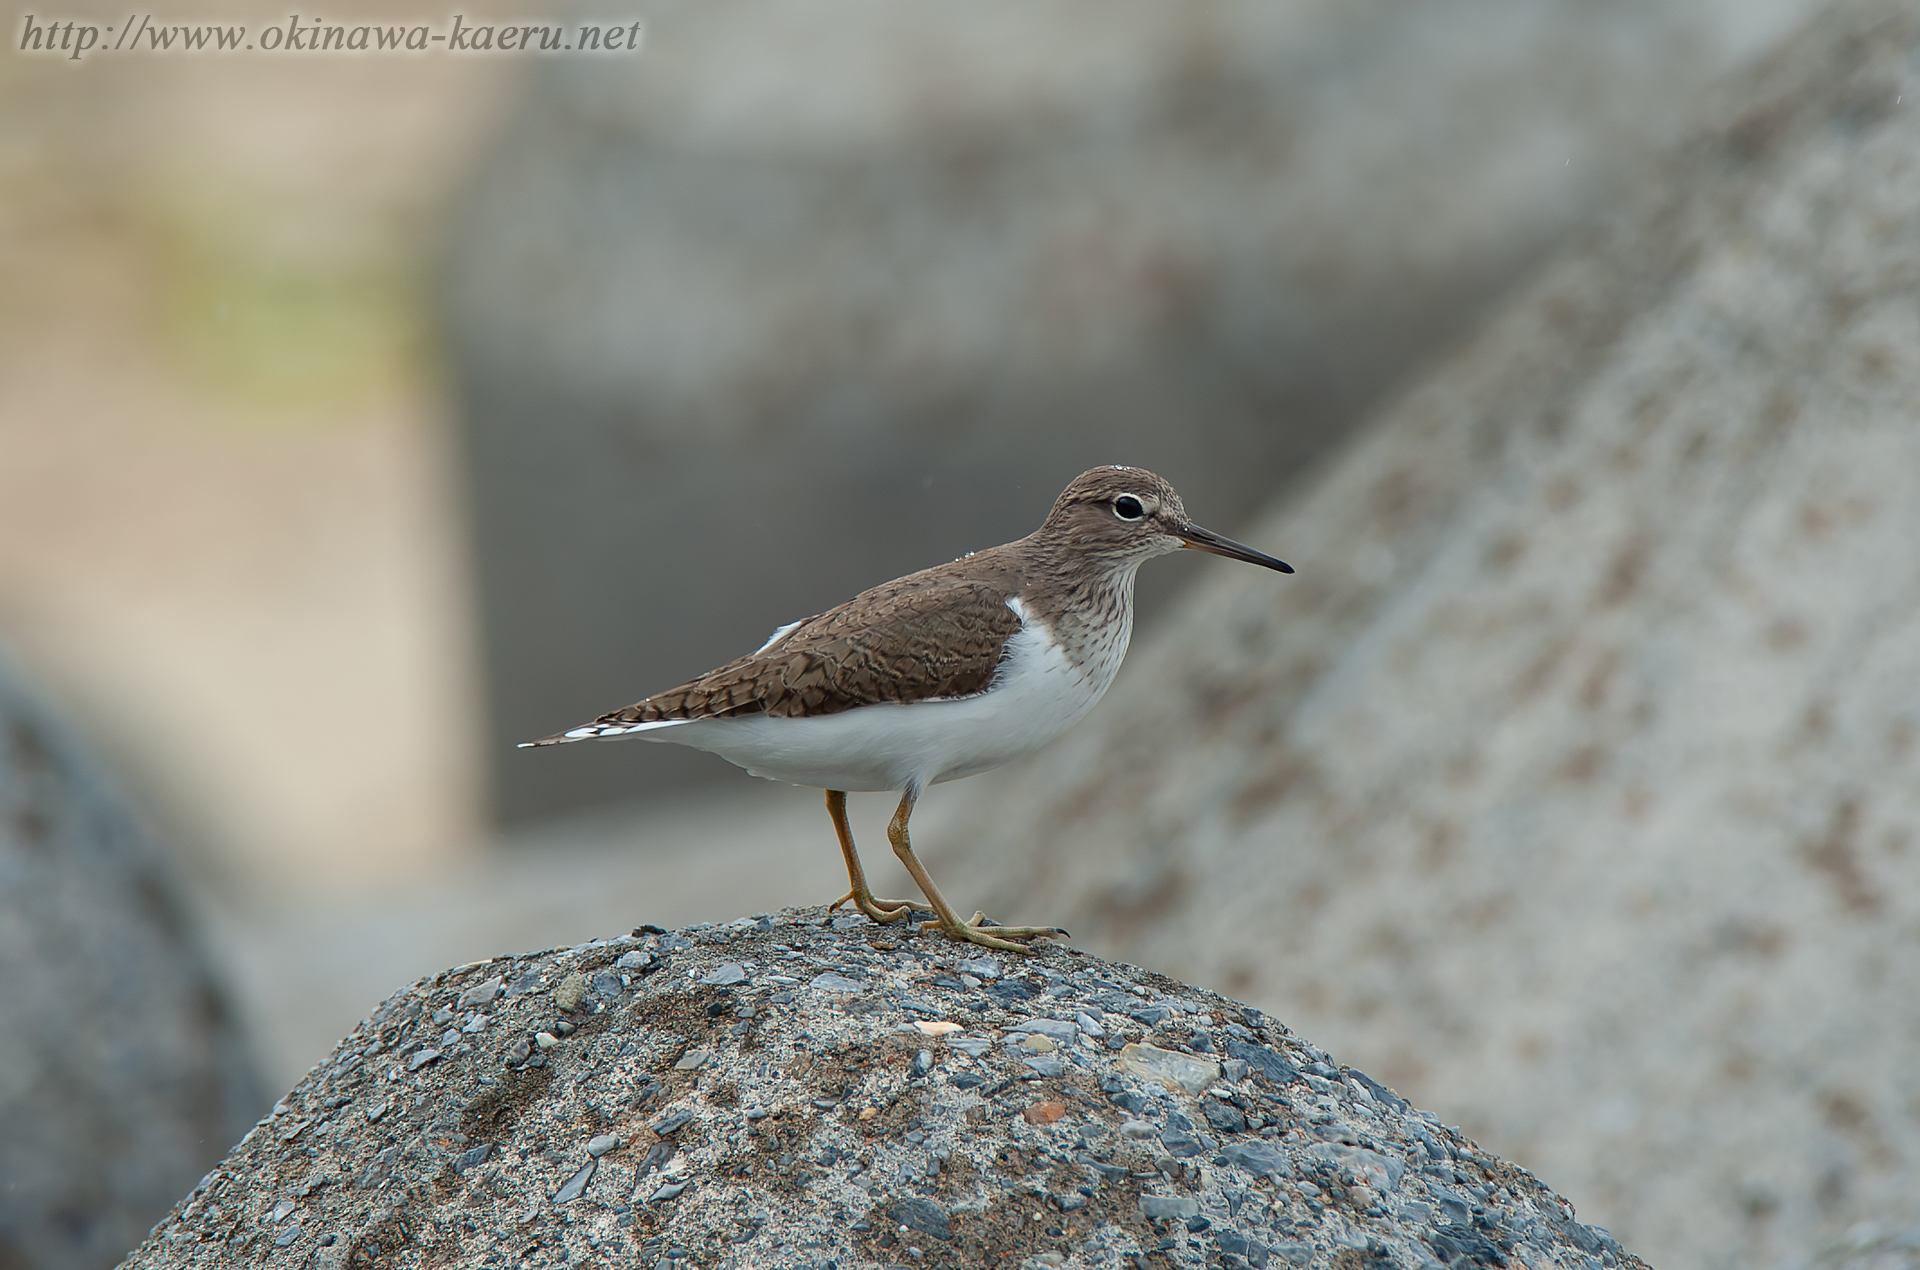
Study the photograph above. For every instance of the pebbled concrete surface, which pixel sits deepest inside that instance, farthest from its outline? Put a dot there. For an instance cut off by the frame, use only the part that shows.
(801, 1089)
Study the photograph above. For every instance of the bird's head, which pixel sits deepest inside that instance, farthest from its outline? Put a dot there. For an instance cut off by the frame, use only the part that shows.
(1128, 515)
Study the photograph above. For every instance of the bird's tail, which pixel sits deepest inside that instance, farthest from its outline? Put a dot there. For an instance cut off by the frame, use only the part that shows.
(600, 730)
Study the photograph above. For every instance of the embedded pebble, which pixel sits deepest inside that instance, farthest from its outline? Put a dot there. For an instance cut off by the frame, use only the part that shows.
(725, 976)
(1163, 1206)
(670, 1123)
(1180, 1144)
(1044, 1112)
(531, 981)
(921, 1216)
(597, 1147)
(1182, 1071)
(1259, 1158)
(576, 1184)
(480, 994)
(571, 992)
(1224, 1117)
(834, 982)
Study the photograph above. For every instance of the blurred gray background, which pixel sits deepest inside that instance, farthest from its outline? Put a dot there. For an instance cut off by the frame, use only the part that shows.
(826, 295)
(455, 401)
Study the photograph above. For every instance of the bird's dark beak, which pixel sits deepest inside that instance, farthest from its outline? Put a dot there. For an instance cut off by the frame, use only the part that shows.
(1198, 539)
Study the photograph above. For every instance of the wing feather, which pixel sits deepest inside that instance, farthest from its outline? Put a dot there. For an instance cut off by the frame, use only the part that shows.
(927, 636)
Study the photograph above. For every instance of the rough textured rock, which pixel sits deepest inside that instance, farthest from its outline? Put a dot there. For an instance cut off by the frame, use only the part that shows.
(800, 1090)
(815, 294)
(122, 1074)
(1574, 784)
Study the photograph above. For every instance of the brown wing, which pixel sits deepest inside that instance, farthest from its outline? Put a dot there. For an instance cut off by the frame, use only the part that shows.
(921, 637)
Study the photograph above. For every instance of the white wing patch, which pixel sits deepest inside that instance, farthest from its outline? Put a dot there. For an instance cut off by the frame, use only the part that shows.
(779, 634)
(612, 731)
(606, 732)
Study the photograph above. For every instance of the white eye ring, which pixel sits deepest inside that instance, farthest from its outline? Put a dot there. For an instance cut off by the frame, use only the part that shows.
(1128, 507)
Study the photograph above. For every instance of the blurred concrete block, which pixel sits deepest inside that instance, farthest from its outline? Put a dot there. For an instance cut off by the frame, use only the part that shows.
(1574, 785)
(817, 292)
(122, 1073)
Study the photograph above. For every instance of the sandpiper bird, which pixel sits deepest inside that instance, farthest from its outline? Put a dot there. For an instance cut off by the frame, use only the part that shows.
(938, 675)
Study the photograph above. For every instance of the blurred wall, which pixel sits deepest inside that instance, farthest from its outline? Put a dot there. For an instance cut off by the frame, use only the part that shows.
(815, 294)
(227, 527)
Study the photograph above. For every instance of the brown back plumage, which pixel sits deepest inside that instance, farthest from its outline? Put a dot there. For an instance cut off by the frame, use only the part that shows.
(940, 632)
(936, 633)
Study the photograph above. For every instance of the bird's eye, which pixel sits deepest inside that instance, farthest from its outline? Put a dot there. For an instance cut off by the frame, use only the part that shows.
(1127, 507)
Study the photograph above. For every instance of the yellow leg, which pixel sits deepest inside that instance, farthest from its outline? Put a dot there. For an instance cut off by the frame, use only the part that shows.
(971, 932)
(879, 910)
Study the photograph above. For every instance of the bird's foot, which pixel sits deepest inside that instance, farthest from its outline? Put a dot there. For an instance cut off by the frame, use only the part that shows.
(1001, 937)
(882, 911)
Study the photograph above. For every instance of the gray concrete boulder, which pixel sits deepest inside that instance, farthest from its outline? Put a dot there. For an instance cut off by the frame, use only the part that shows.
(802, 1090)
(814, 293)
(122, 1072)
(1574, 784)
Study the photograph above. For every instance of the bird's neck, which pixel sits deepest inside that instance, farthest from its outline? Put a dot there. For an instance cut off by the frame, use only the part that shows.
(1088, 608)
